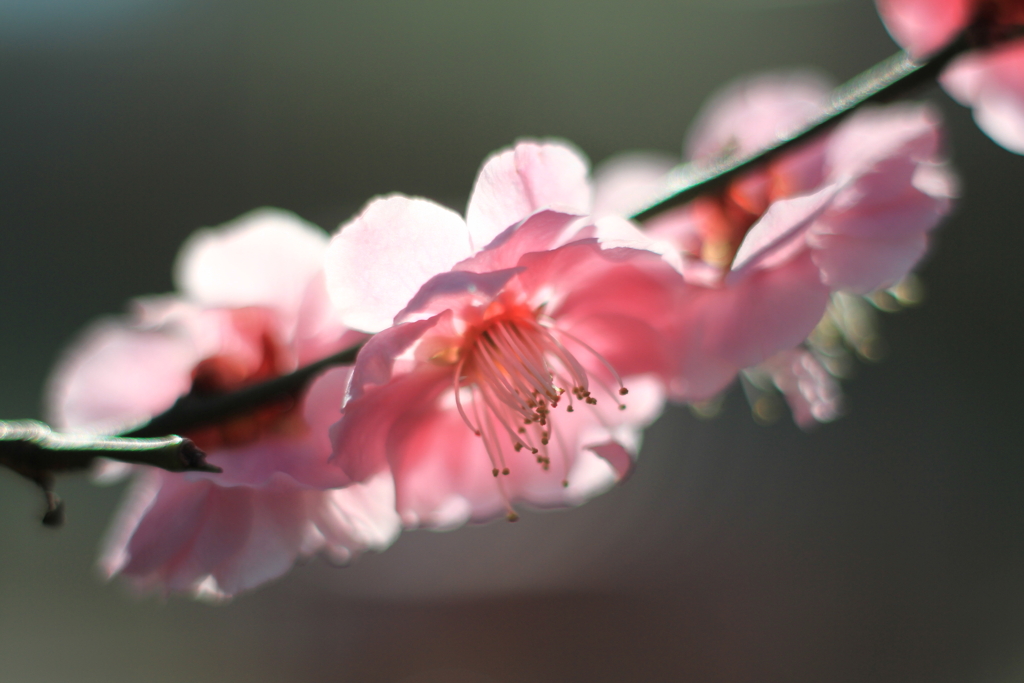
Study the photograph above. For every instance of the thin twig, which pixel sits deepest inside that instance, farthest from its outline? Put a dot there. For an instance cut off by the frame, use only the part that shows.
(200, 410)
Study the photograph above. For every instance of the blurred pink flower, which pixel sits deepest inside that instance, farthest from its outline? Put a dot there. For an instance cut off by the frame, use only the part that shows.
(848, 211)
(989, 80)
(505, 342)
(253, 306)
(812, 393)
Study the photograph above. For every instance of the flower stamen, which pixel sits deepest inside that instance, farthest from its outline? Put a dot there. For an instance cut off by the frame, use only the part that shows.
(517, 371)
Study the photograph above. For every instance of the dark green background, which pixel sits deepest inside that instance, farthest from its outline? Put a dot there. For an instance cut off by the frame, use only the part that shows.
(888, 546)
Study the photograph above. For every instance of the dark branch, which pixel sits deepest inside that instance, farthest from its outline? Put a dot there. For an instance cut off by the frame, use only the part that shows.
(890, 79)
(198, 410)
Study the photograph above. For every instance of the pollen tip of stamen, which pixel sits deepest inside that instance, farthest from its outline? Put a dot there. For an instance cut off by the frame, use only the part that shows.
(544, 441)
(512, 517)
(545, 465)
(535, 451)
(623, 391)
(622, 406)
(505, 471)
(495, 471)
(565, 483)
(477, 432)
(592, 401)
(518, 447)
(569, 409)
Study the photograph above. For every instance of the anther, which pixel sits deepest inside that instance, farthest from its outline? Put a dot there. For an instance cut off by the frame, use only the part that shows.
(505, 471)
(623, 391)
(495, 471)
(565, 483)
(512, 517)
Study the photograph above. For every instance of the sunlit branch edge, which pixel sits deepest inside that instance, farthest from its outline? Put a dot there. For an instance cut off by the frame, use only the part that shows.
(890, 79)
(31, 449)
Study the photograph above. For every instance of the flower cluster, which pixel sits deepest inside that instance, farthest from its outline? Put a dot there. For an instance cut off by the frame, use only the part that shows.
(775, 254)
(508, 358)
(252, 306)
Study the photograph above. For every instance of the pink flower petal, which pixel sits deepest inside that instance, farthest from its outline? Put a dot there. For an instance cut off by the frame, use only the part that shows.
(517, 182)
(264, 258)
(781, 226)
(382, 399)
(623, 303)
(114, 378)
(925, 26)
(456, 290)
(190, 527)
(745, 323)
(753, 112)
(377, 361)
(538, 232)
(813, 395)
(443, 474)
(380, 259)
(280, 530)
(319, 332)
(178, 535)
(617, 456)
(304, 459)
(865, 265)
(856, 213)
(628, 182)
(900, 134)
(357, 517)
(992, 82)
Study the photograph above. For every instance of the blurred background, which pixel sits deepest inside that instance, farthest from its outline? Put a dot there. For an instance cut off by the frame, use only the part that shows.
(888, 546)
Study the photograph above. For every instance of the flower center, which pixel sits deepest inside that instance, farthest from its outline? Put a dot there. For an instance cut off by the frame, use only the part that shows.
(517, 371)
(227, 372)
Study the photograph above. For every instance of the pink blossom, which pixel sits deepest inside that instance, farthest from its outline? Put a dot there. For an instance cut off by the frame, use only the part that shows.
(989, 80)
(505, 342)
(253, 306)
(847, 212)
